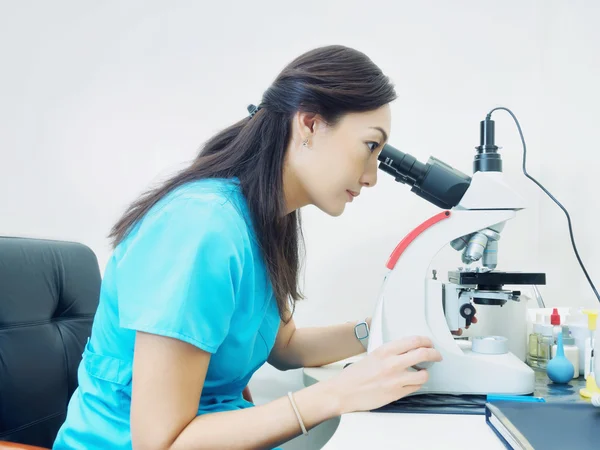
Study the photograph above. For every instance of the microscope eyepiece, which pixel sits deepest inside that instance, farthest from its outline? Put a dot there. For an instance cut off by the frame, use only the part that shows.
(401, 165)
(435, 181)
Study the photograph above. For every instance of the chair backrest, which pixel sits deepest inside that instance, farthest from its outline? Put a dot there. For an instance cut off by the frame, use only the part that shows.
(49, 293)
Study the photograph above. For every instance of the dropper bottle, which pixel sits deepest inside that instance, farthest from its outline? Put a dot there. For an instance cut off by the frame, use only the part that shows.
(555, 321)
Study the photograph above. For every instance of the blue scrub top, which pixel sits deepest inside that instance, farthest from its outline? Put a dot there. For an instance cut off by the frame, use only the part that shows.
(190, 270)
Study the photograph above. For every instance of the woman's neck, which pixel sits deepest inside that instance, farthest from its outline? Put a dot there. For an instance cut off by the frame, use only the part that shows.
(294, 194)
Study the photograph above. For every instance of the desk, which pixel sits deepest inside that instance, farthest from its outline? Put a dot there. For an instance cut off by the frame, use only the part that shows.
(421, 431)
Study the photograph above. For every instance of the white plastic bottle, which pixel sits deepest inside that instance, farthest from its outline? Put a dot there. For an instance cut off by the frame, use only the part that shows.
(555, 322)
(578, 326)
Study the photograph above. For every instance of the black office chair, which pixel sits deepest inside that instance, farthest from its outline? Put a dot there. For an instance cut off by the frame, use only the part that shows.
(49, 294)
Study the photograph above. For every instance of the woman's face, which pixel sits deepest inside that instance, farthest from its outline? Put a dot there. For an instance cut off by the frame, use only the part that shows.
(339, 160)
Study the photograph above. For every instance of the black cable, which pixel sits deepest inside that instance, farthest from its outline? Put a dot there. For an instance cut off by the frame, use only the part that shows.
(549, 195)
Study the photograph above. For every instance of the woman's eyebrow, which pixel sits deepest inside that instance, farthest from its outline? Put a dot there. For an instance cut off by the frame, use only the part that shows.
(385, 136)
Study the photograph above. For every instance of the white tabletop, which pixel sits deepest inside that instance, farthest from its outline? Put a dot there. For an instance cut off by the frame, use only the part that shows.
(402, 430)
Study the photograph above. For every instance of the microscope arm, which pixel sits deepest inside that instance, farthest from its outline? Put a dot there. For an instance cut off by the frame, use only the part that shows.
(412, 302)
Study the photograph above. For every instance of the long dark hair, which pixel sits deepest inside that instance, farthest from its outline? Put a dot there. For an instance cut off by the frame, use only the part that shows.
(330, 81)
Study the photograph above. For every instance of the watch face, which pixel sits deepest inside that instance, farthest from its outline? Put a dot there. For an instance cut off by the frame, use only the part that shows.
(361, 331)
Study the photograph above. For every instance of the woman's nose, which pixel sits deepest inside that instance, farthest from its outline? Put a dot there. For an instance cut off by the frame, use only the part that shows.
(369, 176)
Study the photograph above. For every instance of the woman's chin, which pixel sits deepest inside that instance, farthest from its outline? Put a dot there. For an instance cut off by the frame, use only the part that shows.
(333, 209)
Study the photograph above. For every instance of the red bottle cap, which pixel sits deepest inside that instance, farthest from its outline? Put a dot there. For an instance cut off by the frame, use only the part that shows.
(555, 317)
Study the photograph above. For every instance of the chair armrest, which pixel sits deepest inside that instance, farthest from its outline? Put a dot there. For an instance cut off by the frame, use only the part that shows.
(12, 446)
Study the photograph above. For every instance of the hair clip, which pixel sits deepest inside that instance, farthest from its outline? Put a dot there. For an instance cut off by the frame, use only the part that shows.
(252, 109)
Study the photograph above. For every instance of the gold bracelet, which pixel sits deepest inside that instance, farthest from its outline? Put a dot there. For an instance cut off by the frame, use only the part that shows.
(291, 397)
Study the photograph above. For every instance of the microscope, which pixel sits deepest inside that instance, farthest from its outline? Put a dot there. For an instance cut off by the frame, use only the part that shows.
(415, 301)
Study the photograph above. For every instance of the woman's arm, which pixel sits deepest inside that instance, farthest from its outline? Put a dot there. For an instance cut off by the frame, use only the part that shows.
(167, 383)
(168, 377)
(314, 347)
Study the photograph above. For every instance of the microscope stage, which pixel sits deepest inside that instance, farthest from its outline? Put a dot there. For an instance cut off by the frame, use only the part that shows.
(494, 278)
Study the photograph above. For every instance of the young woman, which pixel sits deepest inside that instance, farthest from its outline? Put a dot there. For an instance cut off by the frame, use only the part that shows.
(201, 286)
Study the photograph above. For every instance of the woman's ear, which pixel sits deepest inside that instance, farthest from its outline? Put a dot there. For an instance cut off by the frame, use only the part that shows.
(306, 124)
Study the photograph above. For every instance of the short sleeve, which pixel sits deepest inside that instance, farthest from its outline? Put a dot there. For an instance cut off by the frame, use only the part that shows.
(179, 273)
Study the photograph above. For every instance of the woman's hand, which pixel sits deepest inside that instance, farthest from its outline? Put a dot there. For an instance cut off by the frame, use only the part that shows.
(385, 375)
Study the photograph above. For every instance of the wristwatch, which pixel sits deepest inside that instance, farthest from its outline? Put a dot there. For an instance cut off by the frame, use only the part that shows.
(361, 331)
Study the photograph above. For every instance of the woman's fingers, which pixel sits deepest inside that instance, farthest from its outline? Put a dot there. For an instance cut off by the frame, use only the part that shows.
(416, 378)
(417, 356)
(401, 346)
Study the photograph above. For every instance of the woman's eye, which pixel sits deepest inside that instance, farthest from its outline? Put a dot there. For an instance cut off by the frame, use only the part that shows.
(372, 145)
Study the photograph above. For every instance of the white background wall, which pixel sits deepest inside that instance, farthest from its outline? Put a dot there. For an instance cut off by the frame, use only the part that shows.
(100, 99)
